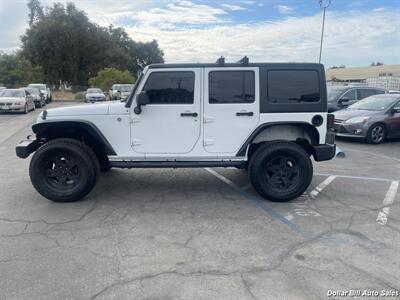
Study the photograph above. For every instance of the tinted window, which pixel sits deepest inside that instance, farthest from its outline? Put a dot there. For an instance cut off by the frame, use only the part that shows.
(170, 87)
(377, 92)
(231, 87)
(293, 86)
(363, 93)
(351, 95)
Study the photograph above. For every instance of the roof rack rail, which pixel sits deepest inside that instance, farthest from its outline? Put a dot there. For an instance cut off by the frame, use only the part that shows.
(244, 61)
(221, 61)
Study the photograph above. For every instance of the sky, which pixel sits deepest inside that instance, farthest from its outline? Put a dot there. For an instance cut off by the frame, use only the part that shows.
(357, 32)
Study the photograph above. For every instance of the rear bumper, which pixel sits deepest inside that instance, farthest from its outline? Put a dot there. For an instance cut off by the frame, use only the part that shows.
(25, 148)
(324, 152)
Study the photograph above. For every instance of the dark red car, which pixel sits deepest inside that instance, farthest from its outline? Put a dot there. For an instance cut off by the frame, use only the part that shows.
(374, 119)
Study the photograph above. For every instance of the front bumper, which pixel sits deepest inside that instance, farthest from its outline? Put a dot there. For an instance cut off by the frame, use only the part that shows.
(12, 107)
(25, 148)
(350, 130)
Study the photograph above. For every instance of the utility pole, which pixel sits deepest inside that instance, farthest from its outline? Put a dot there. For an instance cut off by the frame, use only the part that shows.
(323, 4)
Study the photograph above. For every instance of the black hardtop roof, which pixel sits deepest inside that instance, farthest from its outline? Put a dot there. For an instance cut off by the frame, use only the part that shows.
(214, 65)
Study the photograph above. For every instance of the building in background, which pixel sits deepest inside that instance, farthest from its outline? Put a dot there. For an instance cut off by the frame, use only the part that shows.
(384, 76)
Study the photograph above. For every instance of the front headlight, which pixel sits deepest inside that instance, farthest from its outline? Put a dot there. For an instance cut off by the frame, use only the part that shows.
(356, 120)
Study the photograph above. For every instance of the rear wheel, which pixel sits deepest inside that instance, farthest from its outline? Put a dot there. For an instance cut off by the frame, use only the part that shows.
(376, 134)
(280, 171)
(64, 170)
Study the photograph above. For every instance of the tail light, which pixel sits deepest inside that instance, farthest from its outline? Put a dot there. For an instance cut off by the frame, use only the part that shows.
(330, 121)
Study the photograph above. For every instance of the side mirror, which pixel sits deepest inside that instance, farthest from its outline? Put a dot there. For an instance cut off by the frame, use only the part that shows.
(344, 101)
(396, 109)
(141, 99)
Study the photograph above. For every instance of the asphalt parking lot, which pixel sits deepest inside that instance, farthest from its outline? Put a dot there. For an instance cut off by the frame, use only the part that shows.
(201, 233)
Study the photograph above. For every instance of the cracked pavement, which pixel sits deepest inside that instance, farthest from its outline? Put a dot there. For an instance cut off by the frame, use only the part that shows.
(185, 234)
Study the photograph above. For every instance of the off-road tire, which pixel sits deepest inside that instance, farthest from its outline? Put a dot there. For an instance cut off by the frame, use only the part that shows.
(374, 131)
(279, 182)
(85, 168)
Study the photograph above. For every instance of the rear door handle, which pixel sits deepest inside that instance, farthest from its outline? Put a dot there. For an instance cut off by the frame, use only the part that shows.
(249, 113)
(189, 114)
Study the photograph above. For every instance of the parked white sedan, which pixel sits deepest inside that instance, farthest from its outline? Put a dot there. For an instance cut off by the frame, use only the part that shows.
(16, 100)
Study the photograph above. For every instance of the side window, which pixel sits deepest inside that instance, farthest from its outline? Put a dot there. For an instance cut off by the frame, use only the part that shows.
(293, 86)
(231, 87)
(351, 95)
(377, 92)
(170, 87)
(363, 93)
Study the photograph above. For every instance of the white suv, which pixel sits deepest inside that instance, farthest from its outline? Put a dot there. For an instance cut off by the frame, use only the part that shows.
(269, 118)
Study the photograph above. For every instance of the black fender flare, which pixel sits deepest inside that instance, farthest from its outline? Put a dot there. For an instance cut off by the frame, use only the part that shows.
(309, 128)
(48, 130)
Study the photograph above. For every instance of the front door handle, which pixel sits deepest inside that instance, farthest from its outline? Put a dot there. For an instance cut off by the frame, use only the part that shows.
(189, 114)
(249, 113)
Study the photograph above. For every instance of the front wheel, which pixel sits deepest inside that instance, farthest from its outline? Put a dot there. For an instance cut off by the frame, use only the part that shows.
(64, 170)
(280, 171)
(376, 134)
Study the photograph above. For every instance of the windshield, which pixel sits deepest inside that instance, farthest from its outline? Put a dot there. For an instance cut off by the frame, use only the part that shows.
(12, 93)
(134, 88)
(126, 88)
(94, 91)
(33, 91)
(334, 93)
(42, 87)
(374, 103)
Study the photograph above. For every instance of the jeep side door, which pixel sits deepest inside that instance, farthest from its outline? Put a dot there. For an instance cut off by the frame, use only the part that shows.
(231, 108)
(170, 123)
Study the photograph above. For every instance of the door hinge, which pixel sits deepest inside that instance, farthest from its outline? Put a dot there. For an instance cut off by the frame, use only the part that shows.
(136, 143)
(135, 120)
(208, 142)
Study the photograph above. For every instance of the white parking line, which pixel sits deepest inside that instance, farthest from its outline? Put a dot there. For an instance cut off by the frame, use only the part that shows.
(389, 198)
(314, 193)
(222, 178)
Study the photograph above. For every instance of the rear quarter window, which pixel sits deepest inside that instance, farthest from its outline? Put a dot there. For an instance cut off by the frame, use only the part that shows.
(293, 88)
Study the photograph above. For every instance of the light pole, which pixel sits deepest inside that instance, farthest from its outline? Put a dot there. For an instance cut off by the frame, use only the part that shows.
(323, 4)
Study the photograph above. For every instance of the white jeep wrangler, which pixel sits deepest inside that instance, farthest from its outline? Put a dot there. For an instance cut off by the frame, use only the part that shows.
(268, 118)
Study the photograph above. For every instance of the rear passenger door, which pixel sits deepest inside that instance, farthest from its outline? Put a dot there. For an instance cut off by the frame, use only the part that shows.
(231, 107)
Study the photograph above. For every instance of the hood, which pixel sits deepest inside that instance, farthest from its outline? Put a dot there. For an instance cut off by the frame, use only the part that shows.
(346, 114)
(79, 110)
(11, 99)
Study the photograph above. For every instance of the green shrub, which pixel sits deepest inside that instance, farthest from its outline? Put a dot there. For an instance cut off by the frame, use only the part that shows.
(109, 76)
(80, 96)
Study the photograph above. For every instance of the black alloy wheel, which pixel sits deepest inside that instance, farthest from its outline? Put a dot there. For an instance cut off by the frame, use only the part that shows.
(280, 171)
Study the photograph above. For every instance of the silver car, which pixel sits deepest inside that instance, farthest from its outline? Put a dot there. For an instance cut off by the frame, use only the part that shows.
(16, 100)
(44, 90)
(95, 94)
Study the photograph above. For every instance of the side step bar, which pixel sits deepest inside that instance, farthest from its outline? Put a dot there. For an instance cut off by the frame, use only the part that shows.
(177, 164)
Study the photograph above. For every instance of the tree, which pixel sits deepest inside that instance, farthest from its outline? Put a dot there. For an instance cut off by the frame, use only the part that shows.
(35, 11)
(71, 49)
(109, 76)
(17, 71)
